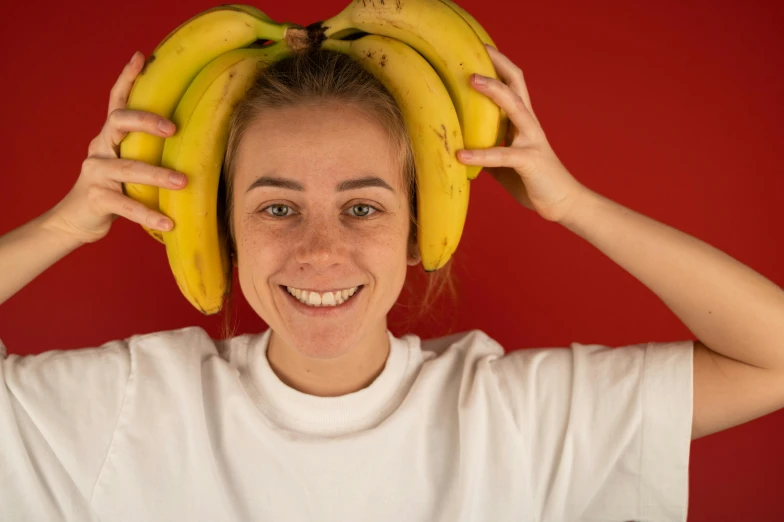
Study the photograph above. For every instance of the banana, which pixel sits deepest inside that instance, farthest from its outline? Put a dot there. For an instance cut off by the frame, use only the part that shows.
(486, 39)
(196, 247)
(434, 129)
(445, 39)
(477, 27)
(171, 67)
(254, 11)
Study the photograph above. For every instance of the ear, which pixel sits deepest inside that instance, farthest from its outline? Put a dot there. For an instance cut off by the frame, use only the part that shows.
(413, 258)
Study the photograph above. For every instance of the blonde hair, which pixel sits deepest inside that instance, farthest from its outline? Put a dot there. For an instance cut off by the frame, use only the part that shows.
(314, 76)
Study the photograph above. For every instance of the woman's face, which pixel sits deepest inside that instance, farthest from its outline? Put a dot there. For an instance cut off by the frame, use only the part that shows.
(320, 206)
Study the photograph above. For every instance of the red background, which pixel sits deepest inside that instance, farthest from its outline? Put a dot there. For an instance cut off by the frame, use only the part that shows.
(673, 109)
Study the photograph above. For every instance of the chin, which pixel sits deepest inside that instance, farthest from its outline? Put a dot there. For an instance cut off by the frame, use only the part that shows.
(328, 341)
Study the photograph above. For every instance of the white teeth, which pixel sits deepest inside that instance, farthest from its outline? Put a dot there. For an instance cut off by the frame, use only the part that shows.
(326, 299)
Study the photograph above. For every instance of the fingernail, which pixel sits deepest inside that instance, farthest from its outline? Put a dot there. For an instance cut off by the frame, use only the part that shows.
(165, 224)
(133, 57)
(176, 178)
(166, 126)
(479, 79)
(491, 46)
(465, 154)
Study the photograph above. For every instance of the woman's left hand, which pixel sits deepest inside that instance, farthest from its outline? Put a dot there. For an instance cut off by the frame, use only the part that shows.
(527, 167)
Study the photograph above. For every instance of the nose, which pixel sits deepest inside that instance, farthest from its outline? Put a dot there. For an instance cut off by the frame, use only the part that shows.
(321, 245)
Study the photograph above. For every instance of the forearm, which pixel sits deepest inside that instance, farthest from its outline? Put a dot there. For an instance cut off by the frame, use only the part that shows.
(732, 309)
(28, 251)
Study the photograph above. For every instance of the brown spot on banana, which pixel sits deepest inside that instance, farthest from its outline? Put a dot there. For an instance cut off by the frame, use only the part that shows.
(147, 62)
(383, 61)
(442, 136)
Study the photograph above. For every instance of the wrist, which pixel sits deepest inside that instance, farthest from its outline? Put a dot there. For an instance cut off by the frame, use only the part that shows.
(51, 225)
(582, 205)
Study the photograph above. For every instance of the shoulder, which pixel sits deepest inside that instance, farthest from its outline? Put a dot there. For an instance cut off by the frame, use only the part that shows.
(467, 343)
(556, 361)
(190, 342)
(190, 339)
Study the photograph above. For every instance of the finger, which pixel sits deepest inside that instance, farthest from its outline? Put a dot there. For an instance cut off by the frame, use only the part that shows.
(118, 97)
(511, 74)
(113, 202)
(122, 121)
(133, 171)
(492, 157)
(511, 103)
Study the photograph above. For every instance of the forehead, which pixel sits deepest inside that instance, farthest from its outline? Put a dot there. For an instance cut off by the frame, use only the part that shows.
(325, 136)
(317, 144)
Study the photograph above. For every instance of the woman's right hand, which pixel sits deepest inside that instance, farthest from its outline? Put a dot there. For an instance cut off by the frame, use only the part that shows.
(97, 199)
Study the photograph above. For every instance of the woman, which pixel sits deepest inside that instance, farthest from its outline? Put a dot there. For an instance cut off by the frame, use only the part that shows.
(326, 415)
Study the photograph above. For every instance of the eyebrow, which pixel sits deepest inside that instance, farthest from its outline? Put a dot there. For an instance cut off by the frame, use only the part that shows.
(351, 184)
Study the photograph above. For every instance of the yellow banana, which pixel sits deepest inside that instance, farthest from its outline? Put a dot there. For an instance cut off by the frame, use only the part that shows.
(486, 39)
(478, 29)
(255, 11)
(445, 39)
(171, 67)
(196, 246)
(434, 129)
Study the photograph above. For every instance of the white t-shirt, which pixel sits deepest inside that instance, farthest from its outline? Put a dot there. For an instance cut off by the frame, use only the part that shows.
(175, 426)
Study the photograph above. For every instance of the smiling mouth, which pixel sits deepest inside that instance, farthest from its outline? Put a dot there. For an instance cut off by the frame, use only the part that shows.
(322, 299)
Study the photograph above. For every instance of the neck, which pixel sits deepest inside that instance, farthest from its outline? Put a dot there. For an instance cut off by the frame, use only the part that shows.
(351, 372)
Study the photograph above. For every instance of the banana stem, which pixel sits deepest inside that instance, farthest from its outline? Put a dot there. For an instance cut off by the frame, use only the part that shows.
(297, 38)
(316, 34)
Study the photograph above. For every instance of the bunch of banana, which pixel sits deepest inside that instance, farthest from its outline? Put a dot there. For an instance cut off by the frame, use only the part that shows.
(173, 65)
(424, 52)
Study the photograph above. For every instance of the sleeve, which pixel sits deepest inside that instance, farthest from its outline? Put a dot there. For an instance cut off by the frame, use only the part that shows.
(58, 413)
(607, 430)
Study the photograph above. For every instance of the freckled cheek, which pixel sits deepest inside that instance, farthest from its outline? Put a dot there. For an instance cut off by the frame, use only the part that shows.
(383, 245)
(265, 245)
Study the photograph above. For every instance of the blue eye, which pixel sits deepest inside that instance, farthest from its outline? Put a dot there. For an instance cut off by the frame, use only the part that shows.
(362, 210)
(278, 210)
